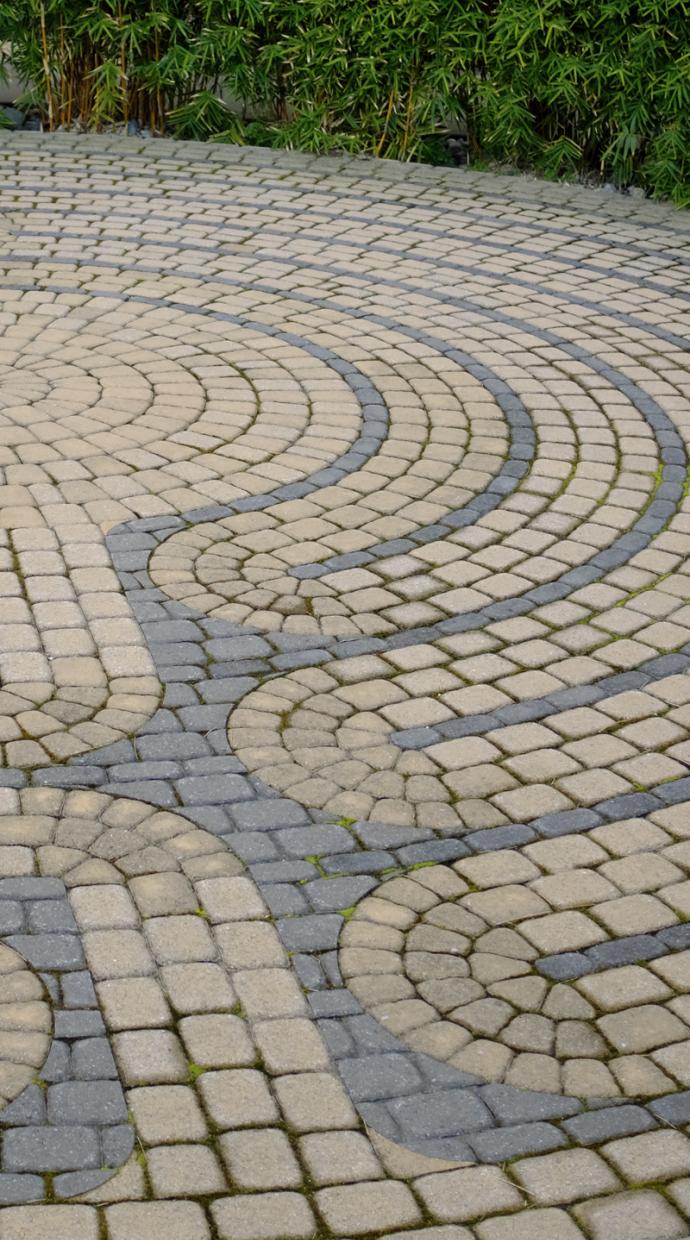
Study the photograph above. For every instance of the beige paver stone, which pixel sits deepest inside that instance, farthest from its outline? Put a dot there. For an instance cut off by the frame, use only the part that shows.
(651, 1156)
(163, 894)
(353, 1209)
(65, 1221)
(216, 1041)
(562, 932)
(269, 992)
(261, 1159)
(631, 1216)
(457, 1196)
(496, 869)
(179, 939)
(263, 1216)
(574, 889)
(565, 1176)
(674, 969)
(314, 1101)
(231, 899)
(549, 1224)
(643, 1028)
(117, 953)
(505, 904)
(184, 1171)
(567, 853)
(339, 1157)
(197, 988)
(133, 1002)
(638, 914)
(673, 1060)
(237, 1098)
(165, 1220)
(149, 1057)
(167, 1113)
(614, 989)
(290, 1046)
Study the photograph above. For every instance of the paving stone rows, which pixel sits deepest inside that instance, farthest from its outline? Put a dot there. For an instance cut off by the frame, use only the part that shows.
(344, 691)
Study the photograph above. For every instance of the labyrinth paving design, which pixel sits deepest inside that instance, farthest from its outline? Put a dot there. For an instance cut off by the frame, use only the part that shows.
(344, 700)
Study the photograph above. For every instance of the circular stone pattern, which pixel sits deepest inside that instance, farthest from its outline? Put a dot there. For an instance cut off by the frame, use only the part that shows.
(105, 419)
(26, 1023)
(525, 978)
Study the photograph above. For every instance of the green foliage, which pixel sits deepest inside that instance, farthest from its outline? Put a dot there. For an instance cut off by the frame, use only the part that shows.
(562, 86)
(572, 85)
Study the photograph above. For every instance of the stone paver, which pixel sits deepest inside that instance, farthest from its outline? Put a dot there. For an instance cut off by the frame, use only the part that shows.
(344, 700)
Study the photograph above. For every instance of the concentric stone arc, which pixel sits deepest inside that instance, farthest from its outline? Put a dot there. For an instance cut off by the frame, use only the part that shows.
(344, 700)
(496, 983)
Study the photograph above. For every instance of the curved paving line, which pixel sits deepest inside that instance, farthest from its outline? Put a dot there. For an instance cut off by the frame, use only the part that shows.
(422, 1086)
(296, 264)
(621, 550)
(432, 1107)
(71, 1123)
(374, 413)
(378, 200)
(661, 507)
(412, 255)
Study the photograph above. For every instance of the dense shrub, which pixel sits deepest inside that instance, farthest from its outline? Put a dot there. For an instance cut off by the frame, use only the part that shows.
(563, 86)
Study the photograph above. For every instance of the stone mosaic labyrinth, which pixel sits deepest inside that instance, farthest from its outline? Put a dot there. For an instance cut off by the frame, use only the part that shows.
(344, 701)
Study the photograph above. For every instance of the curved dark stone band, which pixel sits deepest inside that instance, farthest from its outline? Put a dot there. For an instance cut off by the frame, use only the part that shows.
(481, 216)
(375, 417)
(160, 529)
(631, 949)
(661, 508)
(423, 260)
(424, 1092)
(533, 709)
(72, 1121)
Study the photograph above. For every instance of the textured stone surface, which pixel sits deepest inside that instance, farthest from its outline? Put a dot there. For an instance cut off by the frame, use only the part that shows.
(344, 700)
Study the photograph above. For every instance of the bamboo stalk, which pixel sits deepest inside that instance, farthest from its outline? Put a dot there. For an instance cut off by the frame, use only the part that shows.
(391, 103)
(124, 84)
(408, 115)
(45, 56)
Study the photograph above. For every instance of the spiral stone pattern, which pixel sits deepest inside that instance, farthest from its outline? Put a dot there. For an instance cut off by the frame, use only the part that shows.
(344, 692)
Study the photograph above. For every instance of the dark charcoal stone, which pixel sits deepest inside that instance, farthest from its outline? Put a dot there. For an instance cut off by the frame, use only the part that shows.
(72, 1148)
(443, 1114)
(625, 951)
(502, 1143)
(16, 1189)
(330, 1003)
(78, 990)
(593, 1127)
(521, 1106)
(79, 1023)
(372, 1077)
(337, 893)
(73, 1183)
(673, 1109)
(564, 966)
(86, 1102)
(49, 951)
(316, 932)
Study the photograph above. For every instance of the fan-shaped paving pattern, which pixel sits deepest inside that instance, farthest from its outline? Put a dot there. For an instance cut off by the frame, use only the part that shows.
(102, 417)
(380, 473)
(25, 1024)
(462, 964)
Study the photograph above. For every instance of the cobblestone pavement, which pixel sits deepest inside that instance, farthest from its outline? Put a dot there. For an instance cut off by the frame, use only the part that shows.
(344, 701)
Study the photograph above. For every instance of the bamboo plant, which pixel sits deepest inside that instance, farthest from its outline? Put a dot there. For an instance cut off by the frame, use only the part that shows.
(565, 87)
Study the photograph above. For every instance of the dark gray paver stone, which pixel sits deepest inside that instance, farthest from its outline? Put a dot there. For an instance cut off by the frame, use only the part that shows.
(379, 1076)
(500, 1144)
(57, 1148)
